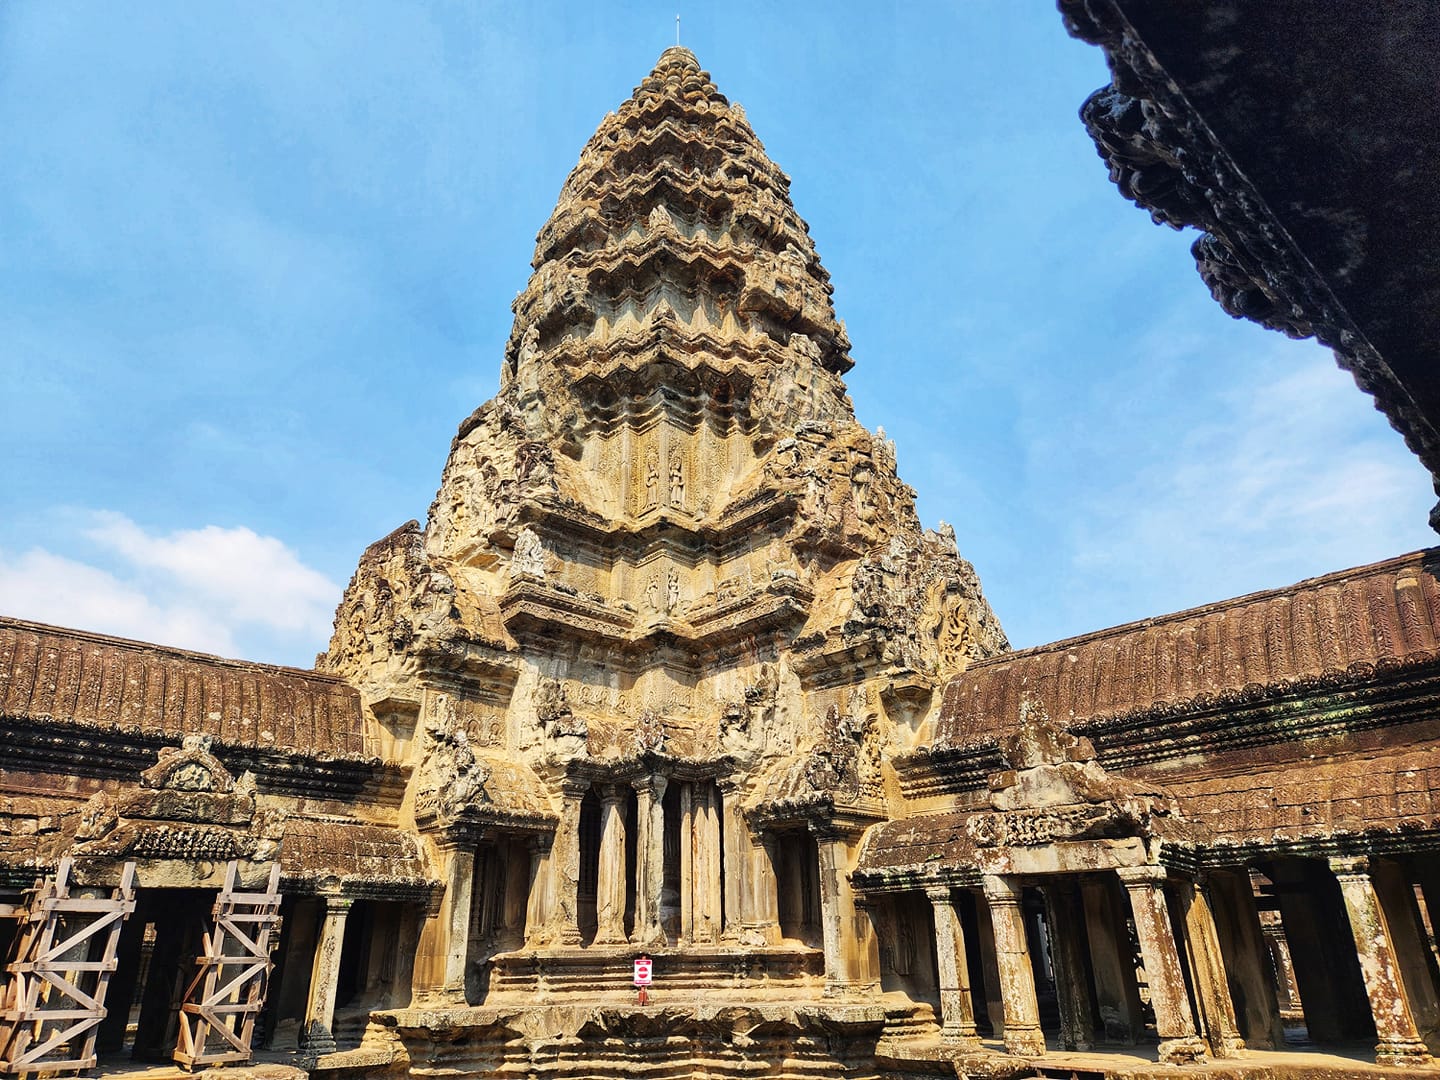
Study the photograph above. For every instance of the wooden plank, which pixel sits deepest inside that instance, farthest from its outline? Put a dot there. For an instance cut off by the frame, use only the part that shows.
(53, 1004)
(221, 1005)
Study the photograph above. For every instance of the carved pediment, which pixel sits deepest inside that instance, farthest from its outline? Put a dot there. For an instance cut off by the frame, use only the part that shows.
(190, 767)
(1055, 790)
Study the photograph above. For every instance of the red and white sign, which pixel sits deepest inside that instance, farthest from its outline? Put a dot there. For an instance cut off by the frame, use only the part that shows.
(643, 966)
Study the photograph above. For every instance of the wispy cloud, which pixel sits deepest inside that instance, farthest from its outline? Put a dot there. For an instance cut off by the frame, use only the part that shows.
(1293, 475)
(215, 589)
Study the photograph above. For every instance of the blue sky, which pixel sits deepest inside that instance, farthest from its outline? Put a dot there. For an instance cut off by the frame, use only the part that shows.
(256, 263)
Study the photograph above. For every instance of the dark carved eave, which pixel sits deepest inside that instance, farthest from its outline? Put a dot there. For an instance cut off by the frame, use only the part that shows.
(1171, 160)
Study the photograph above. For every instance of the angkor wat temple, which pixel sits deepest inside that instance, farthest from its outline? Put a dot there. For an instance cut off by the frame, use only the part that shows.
(673, 671)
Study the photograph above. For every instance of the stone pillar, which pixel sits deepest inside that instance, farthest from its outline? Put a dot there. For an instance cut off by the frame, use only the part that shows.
(957, 1011)
(848, 936)
(1397, 1038)
(565, 863)
(1242, 943)
(610, 885)
(687, 863)
(709, 899)
(445, 937)
(1286, 988)
(985, 930)
(1207, 971)
(1396, 894)
(1067, 948)
(540, 902)
(650, 857)
(517, 891)
(1117, 993)
(734, 871)
(317, 1035)
(1174, 1022)
(1016, 977)
(762, 925)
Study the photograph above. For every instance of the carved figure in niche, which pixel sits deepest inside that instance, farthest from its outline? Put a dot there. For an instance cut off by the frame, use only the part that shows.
(530, 346)
(954, 635)
(529, 558)
(804, 346)
(672, 592)
(653, 596)
(777, 562)
(677, 480)
(551, 701)
(652, 478)
(649, 733)
(761, 693)
(735, 717)
(860, 481)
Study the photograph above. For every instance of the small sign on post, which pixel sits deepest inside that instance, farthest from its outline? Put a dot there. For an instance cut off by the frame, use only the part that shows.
(644, 967)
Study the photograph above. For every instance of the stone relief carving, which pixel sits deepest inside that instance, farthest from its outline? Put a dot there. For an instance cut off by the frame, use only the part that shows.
(529, 557)
(652, 478)
(551, 701)
(677, 480)
(649, 733)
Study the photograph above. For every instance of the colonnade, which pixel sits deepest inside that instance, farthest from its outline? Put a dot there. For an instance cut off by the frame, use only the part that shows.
(1205, 956)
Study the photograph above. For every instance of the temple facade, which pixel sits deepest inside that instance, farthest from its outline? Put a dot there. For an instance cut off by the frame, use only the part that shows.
(672, 671)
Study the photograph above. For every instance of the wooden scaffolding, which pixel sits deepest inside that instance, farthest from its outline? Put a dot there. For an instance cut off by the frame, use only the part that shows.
(60, 966)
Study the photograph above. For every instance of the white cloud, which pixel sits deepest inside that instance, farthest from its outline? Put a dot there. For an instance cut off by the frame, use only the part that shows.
(223, 590)
(254, 578)
(1294, 475)
(43, 587)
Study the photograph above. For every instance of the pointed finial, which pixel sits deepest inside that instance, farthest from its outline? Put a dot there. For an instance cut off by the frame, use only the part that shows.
(677, 29)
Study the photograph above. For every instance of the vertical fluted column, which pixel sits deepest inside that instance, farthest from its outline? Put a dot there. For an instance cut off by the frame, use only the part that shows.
(540, 900)
(565, 862)
(711, 902)
(735, 870)
(1066, 922)
(1398, 1041)
(1207, 971)
(687, 863)
(957, 1011)
(610, 885)
(1012, 957)
(318, 1034)
(445, 937)
(763, 925)
(1410, 942)
(1174, 1022)
(650, 855)
(831, 916)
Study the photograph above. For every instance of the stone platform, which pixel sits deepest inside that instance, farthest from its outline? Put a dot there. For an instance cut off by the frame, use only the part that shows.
(604, 973)
(932, 1057)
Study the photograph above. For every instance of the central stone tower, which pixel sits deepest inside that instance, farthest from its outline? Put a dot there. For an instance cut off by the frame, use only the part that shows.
(672, 608)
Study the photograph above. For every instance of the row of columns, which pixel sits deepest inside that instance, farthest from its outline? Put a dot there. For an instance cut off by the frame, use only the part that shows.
(1067, 912)
(1389, 941)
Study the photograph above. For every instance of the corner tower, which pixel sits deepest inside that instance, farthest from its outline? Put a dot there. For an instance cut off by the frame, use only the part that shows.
(672, 608)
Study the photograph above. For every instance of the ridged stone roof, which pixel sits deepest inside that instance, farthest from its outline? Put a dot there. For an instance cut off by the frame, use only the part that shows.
(1386, 615)
(84, 680)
